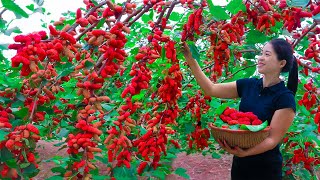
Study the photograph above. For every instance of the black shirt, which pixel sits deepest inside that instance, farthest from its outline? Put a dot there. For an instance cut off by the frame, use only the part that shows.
(263, 102)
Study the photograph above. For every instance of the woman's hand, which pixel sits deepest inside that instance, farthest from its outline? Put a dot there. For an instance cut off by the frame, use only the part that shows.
(185, 50)
(235, 151)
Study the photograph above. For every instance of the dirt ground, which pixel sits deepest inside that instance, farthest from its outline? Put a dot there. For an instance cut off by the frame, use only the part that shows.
(197, 166)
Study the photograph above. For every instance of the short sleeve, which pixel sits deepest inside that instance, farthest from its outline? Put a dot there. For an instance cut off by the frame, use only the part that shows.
(241, 84)
(286, 100)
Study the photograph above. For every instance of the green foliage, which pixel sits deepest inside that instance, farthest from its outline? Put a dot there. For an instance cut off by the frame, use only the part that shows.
(10, 5)
(254, 128)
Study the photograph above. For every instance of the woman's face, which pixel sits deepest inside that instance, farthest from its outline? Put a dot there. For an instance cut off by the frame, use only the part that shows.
(268, 61)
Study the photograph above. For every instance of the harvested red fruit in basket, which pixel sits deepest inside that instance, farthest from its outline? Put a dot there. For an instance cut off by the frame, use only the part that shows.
(233, 117)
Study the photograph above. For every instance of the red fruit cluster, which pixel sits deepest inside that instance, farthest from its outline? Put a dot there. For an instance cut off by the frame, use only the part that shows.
(233, 117)
(113, 50)
(82, 141)
(197, 105)
(170, 90)
(141, 167)
(301, 155)
(152, 144)
(171, 51)
(117, 145)
(314, 7)
(199, 138)
(156, 38)
(4, 118)
(309, 98)
(312, 52)
(192, 26)
(30, 50)
(141, 80)
(292, 17)
(93, 82)
(222, 35)
(16, 144)
(261, 20)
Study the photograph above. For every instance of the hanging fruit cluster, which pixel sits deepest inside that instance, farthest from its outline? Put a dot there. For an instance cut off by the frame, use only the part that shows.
(223, 35)
(309, 98)
(198, 105)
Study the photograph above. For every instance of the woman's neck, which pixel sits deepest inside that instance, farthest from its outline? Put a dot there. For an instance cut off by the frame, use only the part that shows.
(270, 80)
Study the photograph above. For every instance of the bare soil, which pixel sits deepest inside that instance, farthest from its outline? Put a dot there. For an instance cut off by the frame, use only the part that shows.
(197, 165)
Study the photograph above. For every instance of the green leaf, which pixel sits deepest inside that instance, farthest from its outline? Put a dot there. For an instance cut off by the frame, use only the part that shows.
(254, 128)
(297, 3)
(159, 173)
(145, 18)
(15, 29)
(20, 113)
(139, 96)
(24, 165)
(12, 163)
(30, 7)
(67, 69)
(189, 128)
(182, 172)
(221, 108)
(215, 155)
(39, 2)
(10, 5)
(255, 36)
(63, 133)
(174, 16)
(55, 178)
(58, 169)
(218, 12)
(235, 6)
(5, 154)
(101, 22)
(194, 50)
(88, 64)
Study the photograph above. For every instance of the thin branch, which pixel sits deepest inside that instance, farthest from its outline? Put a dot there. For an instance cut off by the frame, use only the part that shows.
(231, 75)
(207, 67)
(131, 15)
(2, 13)
(170, 10)
(86, 30)
(123, 10)
(146, 8)
(73, 27)
(160, 17)
(304, 34)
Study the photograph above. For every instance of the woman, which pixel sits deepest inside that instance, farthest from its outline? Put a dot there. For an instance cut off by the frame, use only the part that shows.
(268, 98)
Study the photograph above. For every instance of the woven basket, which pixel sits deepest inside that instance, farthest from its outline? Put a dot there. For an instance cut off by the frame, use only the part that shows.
(241, 138)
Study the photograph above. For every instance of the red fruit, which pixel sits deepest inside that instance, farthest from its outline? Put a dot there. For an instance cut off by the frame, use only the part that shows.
(141, 167)
(9, 144)
(118, 9)
(233, 122)
(256, 122)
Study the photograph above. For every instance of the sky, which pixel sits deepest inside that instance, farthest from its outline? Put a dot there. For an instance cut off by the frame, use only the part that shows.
(55, 7)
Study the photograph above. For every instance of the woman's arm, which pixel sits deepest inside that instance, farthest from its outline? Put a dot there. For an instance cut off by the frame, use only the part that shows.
(222, 90)
(280, 123)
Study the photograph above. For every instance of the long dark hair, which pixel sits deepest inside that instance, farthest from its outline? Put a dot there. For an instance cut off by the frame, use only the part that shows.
(284, 51)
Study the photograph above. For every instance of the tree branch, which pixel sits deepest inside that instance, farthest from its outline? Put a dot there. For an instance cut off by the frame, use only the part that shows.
(304, 34)
(146, 8)
(86, 30)
(207, 67)
(231, 75)
(73, 27)
(2, 13)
